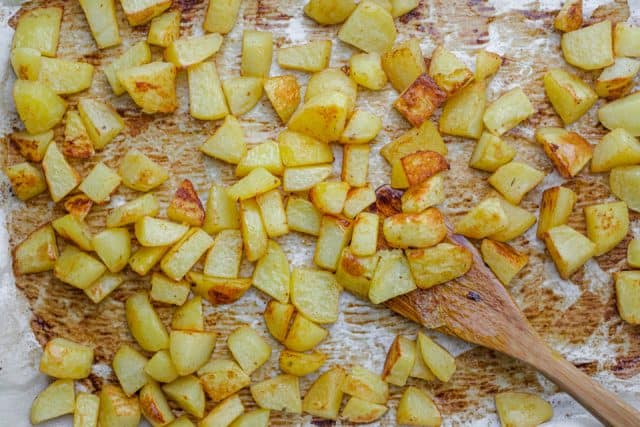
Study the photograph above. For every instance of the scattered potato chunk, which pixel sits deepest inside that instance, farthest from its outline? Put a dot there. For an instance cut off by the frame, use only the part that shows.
(37, 253)
(438, 264)
(491, 152)
(569, 95)
(329, 12)
(462, 114)
(189, 51)
(424, 138)
(514, 180)
(145, 258)
(420, 100)
(507, 111)
(520, 409)
(161, 368)
(26, 180)
(422, 196)
(137, 54)
(74, 229)
(168, 291)
(221, 378)
(366, 70)
(254, 234)
(568, 248)
(102, 287)
(503, 260)
(265, 155)
(633, 253)
(154, 405)
(302, 216)
(139, 12)
(145, 324)
(188, 394)
(257, 52)
(392, 277)
(101, 182)
(223, 414)
(355, 273)
(101, 121)
(255, 418)
(60, 176)
(622, 113)
(248, 348)
(218, 290)
(78, 205)
(403, 64)
(128, 365)
(271, 274)
(487, 64)
(158, 232)
(26, 63)
(315, 294)
(116, 409)
(283, 93)
(206, 97)
(303, 334)
(54, 401)
(32, 147)
(329, 197)
(101, 16)
(624, 181)
(360, 411)
(420, 230)
(422, 165)
(242, 93)
(186, 207)
(334, 235)
(358, 199)
(297, 149)
(310, 57)
(183, 421)
(617, 148)
(86, 410)
(65, 359)
(556, 206)
(625, 40)
(77, 268)
(607, 225)
(568, 151)
(164, 29)
(448, 71)
(39, 107)
(628, 296)
(416, 408)
(437, 359)
(273, 214)
(140, 173)
(570, 16)
(520, 220)
(221, 212)
(184, 254)
(357, 30)
(362, 128)
(221, 16)
(364, 239)
(589, 48)
(224, 257)
(324, 397)
(256, 182)
(189, 316)
(65, 77)
(486, 218)
(227, 143)
(151, 86)
(366, 385)
(401, 7)
(280, 393)
(39, 29)
(190, 350)
(277, 317)
(323, 117)
(304, 178)
(400, 361)
(301, 364)
(113, 246)
(616, 80)
(77, 142)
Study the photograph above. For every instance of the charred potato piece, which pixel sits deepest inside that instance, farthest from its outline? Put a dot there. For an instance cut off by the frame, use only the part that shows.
(568, 151)
(420, 100)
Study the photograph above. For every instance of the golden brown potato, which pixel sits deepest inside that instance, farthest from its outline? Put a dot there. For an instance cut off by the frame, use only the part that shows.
(438, 264)
(400, 360)
(154, 405)
(403, 64)
(503, 260)
(568, 151)
(26, 180)
(616, 80)
(324, 397)
(370, 28)
(448, 71)
(218, 290)
(116, 409)
(570, 96)
(151, 86)
(61, 177)
(422, 165)
(607, 225)
(366, 385)
(65, 77)
(420, 100)
(323, 117)
(65, 359)
(37, 253)
(486, 218)
(140, 173)
(568, 248)
(522, 409)
(355, 273)
(589, 48)
(242, 93)
(32, 147)
(221, 378)
(78, 205)
(277, 317)
(186, 207)
(420, 230)
(424, 195)
(283, 93)
(570, 16)
(556, 206)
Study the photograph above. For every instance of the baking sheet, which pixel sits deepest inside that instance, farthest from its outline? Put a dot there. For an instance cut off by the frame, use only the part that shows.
(577, 317)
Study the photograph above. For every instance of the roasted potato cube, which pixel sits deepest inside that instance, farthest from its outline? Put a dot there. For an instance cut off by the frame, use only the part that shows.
(184, 254)
(507, 111)
(607, 225)
(206, 97)
(462, 114)
(265, 155)
(420, 369)
(303, 334)
(364, 239)
(221, 16)
(622, 113)
(360, 411)
(74, 229)
(448, 72)
(271, 274)
(188, 394)
(255, 418)
(139, 12)
(248, 348)
(186, 207)
(77, 142)
(422, 165)
(589, 48)
(302, 216)
(39, 107)
(224, 257)
(65, 77)
(66, 359)
(223, 414)
(424, 138)
(227, 143)
(137, 54)
(140, 173)
(256, 182)
(37, 253)
(366, 70)
(633, 253)
(161, 368)
(491, 152)
(329, 197)
(77, 268)
(273, 214)
(323, 117)
(315, 294)
(102, 287)
(399, 363)
(54, 401)
(26, 63)
(283, 93)
(401, 7)
(310, 57)
(78, 205)
(164, 29)
(26, 180)
(334, 235)
(222, 211)
(628, 296)
(158, 232)
(363, 127)
(420, 197)
(60, 176)
(101, 182)
(86, 410)
(277, 317)
(366, 385)
(128, 365)
(332, 80)
(280, 393)
(514, 180)
(190, 350)
(32, 147)
(570, 16)
(135, 210)
(616, 80)
(113, 246)
(403, 64)
(101, 16)
(329, 12)
(254, 234)
(358, 199)
(568, 151)
(355, 273)
(39, 29)
(503, 260)
(101, 121)
(218, 290)
(356, 31)
(420, 100)
(520, 220)
(416, 408)
(242, 93)
(568, 248)
(392, 277)
(625, 40)
(487, 64)
(438, 264)
(624, 181)
(297, 149)
(304, 178)
(301, 364)
(257, 52)
(221, 378)
(154, 405)
(486, 218)
(522, 409)
(324, 397)
(189, 316)
(116, 409)
(190, 51)
(570, 96)
(145, 324)
(420, 230)
(151, 86)
(556, 206)
(617, 148)
(437, 359)
(168, 291)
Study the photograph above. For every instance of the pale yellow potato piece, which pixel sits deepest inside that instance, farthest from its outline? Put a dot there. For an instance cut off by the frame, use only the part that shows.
(310, 57)
(570, 96)
(462, 114)
(86, 410)
(274, 217)
(503, 260)
(303, 178)
(74, 229)
(154, 405)
(223, 414)
(161, 368)
(102, 122)
(633, 253)
(139, 12)
(258, 181)
(366, 70)
(301, 364)
(186, 253)
(206, 97)
(54, 401)
(424, 195)
(363, 127)
(622, 113)
(277, 317)
(137, 54)
(329, 12)
(589, 48)
(323, 117)
(37, 252)
(158, 232)
(190, 350)
(624, 181)
(101, 15)
(227, 143)
(507, 111)
(101, 182)
(257, 53)
(329, 197)
(151, 86)
(570, 16)
(486, 218)
(32, 147)
(617, 148)
(26, 63)
(65, 359)
(255, 418)
(514, 180)
(403, 64)
(193, 50)
(626, 40)
(628, 296)
(449, 72)
(315, 294)
(370, 28)
(224, 257)
(303, 334)
(324, 397)
(568, 151)
(487, 64)
(355, 273)
(248, 348)
(303, 216)
(569, 249)
(520, 220)
(297, 149)
(360, 411)
(333, 236)
(242, 93)
(221, 16)
(128, 365)
(116, 409)
(188, 394)
(145, 324)
(437, 359)
(522, 409)
(392, 277)
(218, 290)
(366, 385)
(65, 77)
(416, 408)
(133, 210)
(77, 268)
(607, 225)
(399, 362)
(102, 287)
(77, 142)
(39, 29)
(271, 274)
(265, 155)
(221, 378)
(168, 291)
(113, 246)
(420, 230)
(358, 199)
(164, 29)
(221, 211)
(254, 234)
(438, 264)
(60, 176)
(364, 239)
(189, 316)
(38, 106)
(286, 399)
(617, 80)
(283, 93)
(556, 206)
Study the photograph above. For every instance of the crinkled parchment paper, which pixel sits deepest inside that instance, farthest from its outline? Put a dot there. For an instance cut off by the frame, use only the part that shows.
(577, 317)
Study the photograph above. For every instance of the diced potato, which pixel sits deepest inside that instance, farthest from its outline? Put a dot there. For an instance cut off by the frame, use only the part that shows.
(154, 405)
(257, 53)
(273, 214)
(206, 97)
(254, 234)
(158, 232)
(589, 48)
(271, 274)
(422, 165)
(570, 16)
(315, 294)
(65, 359)
(137, 54)
(74, 229)
(323, 117)
(401, 7)
(255, 418)
(310, 57)
(303, 334)
(355, 273)
(568, 151)
(487, 64)
(332, 80)
(101, 182)
(438, 264)
(258, 181)
(633, 253)
(420, 369)
(570, 96)
(151, 86)
(277, 317)
(625, 40)
(616, 80)
(39, 29)
(26, 180)
(37, 253)
(329, 12)
(136, 210)
(161, 368)
(164, 29)
(224, 257)
(280, 393)
(622, 113)
(78, 205)
(617, 148)
(218, 290)
(355, 165)
(420, 100)
(227, 143)
(399, 363)
(182, 421)
(520, 220)
(503, 260)
(363, 127)
(334, 235)
(60, 176)
(424, 195)
(486, 218)
(514, 180)
(189, 316)
(221, 378)
(448, 71)
(624, 182)
(607, 225)
(462, 114)
(168, 291)
(392, 277)
(491, 152)
(420, 230)
(265, 155)
(32, 147)
(403, 64)
(242, 93)
(101, 121)
(358, 199)
(139, 12)
(223, 414)
(86, 410)
(360, 411)
(190, 350)
(248, 348)
(507, 111)
(522, 409)
(424, 138)
(416, 408)
(101, 16)
(357, 30)
(556, 206)
(302, 216)
(221, 16)
(186, 207)
(301, 364)
(222, 211)
(366, 385)
(140, 173)
(568, 248)
(628, 296)
(304, 178)
(39, 107)
(329, 197)
(54, 401)
(193, 50)
(324, 397)
(184, 254)
(297, 149)
(102, 287)
(77, 142)
(364, 239)
(128, 365)
(188, 394)
(366, 70)
(437, 359)
(113, 246)
(283, 93)
(26, 63)
(77, 268)
(145, 324)
(65, 77)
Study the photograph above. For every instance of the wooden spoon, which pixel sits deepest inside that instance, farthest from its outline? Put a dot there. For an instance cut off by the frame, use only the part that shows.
(477, 308)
